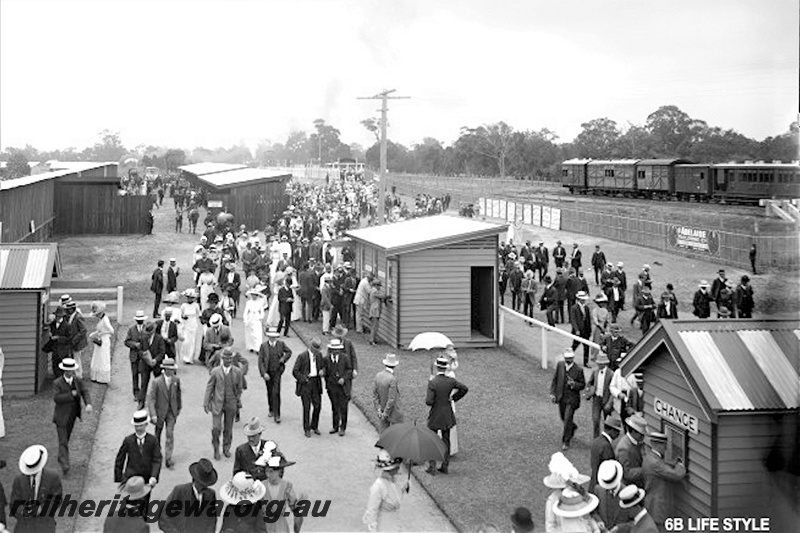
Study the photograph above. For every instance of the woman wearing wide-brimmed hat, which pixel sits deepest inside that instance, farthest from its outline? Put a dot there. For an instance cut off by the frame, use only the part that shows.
(385, 495)
(600, 317)
(253, 317)
(278, 489)
(242, 492)
(100, 367)
(192, 332)
(573, 509)
(563, 474)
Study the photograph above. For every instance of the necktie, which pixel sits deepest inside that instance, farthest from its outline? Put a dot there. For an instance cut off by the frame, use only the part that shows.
(141, 445)
(33, 486)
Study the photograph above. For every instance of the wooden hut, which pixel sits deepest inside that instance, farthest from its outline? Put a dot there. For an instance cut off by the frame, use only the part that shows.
(727, 394)
(254, 196)
(441, 275)
(26, 271)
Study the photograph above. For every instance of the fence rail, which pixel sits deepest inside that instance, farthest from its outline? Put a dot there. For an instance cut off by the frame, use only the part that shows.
(114, 306)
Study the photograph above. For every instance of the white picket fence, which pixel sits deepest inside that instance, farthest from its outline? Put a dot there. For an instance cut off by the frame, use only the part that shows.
(83, 296)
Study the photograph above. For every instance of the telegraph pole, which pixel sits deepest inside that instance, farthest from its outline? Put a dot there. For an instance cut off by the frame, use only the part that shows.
(384, 97)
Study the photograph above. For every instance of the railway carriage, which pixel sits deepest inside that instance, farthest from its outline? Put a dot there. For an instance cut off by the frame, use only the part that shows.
(693, 181)
(612, 176)
(573, 174)
(656, 177)
(756, 180)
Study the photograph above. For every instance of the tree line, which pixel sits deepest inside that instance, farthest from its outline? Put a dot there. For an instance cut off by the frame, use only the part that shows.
(487, 150)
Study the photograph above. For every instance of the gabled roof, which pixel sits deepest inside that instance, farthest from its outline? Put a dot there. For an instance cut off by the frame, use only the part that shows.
(731, 365)
(244, 176)
(200, 169)
(424, 233)
(28, 265)
(73, 168)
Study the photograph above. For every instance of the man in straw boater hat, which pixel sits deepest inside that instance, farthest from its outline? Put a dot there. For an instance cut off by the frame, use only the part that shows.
(565, 390)
(660, 479)
(573, 508)
(196, 494)
(602, 447)
(440, 399)
(222, 399)
(609, 483)
(139, 454)
(130, 518)
(386, 394)
(598, 392)
(34, 484)
(628, 450)
(701, 303)
(581, 320)
(164, 403)
(307, 372)
(68, 391)
(135, 341)
(338, 371)
(272, 357)
(241, 494)
(631, 498)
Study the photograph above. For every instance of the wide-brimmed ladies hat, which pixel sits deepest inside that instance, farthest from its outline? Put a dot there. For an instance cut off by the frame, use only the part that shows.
(140, 417)
(609, 475)
(135, 488)
(572, 504)
(33, 459)
(203, 472)
(390, 360)
(242, 488)
(68, 364)
(630, 496)
(189, 293)
(554, 481)
(386, 462)
(253, 292)
(253, 427)
(278, 461)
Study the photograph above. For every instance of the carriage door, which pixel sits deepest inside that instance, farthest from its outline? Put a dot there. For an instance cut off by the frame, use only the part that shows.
(721, 177)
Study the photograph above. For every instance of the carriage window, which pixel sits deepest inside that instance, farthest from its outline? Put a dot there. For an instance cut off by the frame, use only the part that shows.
(564, 172)
(640, 174)
(609, 173)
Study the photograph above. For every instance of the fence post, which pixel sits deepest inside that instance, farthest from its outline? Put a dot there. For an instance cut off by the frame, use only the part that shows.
(501, 327)
(544, 348)
(119, 304)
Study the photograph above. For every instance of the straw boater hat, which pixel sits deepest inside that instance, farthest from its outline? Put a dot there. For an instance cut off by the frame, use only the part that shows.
(609, 475)
(724, 312)
(637, 422)
(630, 496)
(390, 360)
(569, 354)
(33, 459)
(571, 504)
(253, 427)
(602, 359)
(140, 417)
(655, 437)
(582, 295)
(140, 316)
(386, 462)
(65, 299)
(134, 488)
(620, 264)
(242, 488)
(600, 298)
(339, 331)
(169, 363)
(703, 283)
(442, 362)
(336, 344)
(273, 333)
(215, 319)
(68, 364)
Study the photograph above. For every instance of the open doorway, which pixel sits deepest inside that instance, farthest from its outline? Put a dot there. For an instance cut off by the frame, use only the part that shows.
(482, 301)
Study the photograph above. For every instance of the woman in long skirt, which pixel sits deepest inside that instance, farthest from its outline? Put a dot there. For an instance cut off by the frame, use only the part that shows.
(599, 321)
(297, 305)
(273, 316)
(385, 496)
(192, 333)
(207, 283)
(100, 366)
(253, 316)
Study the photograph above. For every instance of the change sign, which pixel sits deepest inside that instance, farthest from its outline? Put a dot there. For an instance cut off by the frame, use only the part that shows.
(675, 415)
(698, 240)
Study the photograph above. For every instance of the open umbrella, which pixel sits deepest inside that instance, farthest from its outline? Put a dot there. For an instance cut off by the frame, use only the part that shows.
(414, 444)
(429, 340)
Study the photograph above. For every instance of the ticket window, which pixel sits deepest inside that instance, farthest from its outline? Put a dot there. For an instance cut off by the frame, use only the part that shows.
(677, 443)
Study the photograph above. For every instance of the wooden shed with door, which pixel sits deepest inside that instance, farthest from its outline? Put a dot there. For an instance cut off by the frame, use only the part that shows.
(727, 394)
(440, 273)
(26, 271)
(254, 196)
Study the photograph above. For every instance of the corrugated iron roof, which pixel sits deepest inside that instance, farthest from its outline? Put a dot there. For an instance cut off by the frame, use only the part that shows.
(73, 168)
(242, 176)
(200, 169)
(28, 266)
(661, 161)
(424, 232)
(614, 162)
(735, 365)
(576, 161)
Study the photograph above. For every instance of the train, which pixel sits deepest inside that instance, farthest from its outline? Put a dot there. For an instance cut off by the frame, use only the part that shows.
(680, 179)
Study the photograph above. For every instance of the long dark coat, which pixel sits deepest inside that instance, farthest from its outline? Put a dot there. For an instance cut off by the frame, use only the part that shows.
(440, 390)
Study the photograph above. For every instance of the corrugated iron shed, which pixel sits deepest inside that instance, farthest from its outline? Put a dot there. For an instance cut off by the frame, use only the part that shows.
(734, 365)
(73, 167)
(424, 233)
(28, 266)
(200, 169)
(244, 176)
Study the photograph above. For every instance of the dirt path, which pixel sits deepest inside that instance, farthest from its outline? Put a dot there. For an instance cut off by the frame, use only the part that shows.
(328, 467)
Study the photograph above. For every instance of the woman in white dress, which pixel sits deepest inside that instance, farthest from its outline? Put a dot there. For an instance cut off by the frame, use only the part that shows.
(100, 366)
(253, 316)
(192, 333)
(385, 496)
(273, 316)
(207, 283)
(600, 316)
(297, 306)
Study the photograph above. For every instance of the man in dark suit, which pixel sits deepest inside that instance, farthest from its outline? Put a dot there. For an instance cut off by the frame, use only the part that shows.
(386, 394)
(285, 304)
(628, 450)
(549, 300)
(581, 320)
(68, 391)
(230, 284)
(34, 484)
(135, 342)
(338, 370)
(717, 286)
(245, 455)
(559, 255)
(164, 402)
(598, 392)
(661, 479)
(153, 345)
(157, 285)
(308, 371)
(609, 483)
(168, 328)
(140, 453)
(619, 274)
(598, 263)
(575, 260)
(195, 495)
(542, 260)
(560, 283)
(60, 342)
(340, 332)
(631, 499)
(272, 357)
(602, 448)
(441, 417)
(77, 329)
(565, 389)
(222, 399)
(173, 271)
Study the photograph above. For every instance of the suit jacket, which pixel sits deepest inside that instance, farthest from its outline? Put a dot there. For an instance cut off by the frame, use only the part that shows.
(567, 384)
(386, 396)
(575, 260)
(601, 450)
(629, 456)
(157, 281)
(212, 339)
(77, 332)
(160, 398)
(573, 286)
(189, 522)
(68, 407)
(231, 287)
(272, 359)
(171, 338)
(623, 279)
(342, 369)
(581, 321)
(172, 279)
(439, 394)
(302, 366)
(599, 260)
(214, 398)
(645, 525)
(608, 508)
(350, 351)
(49, 488)
(559, 253)
(660, 482)
(542, 256)
(560, 283)
(607, 399)
(635, 403)
(135, 336)
(132, 462)
(158, 350)
(244, 460)
(702, 304)
(285, 300)
(63, 345)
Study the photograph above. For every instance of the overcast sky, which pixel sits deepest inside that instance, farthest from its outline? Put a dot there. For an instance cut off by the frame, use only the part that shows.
(213, 73)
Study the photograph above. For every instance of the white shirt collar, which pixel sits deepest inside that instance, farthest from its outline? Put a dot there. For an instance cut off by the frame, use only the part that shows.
(68, 380)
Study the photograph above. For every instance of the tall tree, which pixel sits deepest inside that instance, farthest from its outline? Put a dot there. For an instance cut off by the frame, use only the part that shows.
(673, 131)
(598, 138)
(17, 166)
(324, 142)
(110, 147)
(495, 143)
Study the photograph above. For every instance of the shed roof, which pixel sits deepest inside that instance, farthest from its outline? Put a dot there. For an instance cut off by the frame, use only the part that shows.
(614, 162)
(662, 161)
(200, 169)
(74, 168)
(732, 365)
(424, 233)
(244, 176)
(28, 265)
(576, 161)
